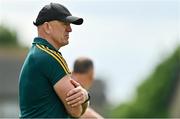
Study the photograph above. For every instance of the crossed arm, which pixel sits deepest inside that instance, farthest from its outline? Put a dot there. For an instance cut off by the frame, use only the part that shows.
(90, 113)
(72, 95)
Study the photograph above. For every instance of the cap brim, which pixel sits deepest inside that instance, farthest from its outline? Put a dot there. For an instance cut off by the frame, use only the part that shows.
(74, 20)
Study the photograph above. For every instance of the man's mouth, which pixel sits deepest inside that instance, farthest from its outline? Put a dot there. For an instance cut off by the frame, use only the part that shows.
(66, 35)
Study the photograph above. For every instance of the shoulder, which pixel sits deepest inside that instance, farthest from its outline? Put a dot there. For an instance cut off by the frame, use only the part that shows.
(50, 57)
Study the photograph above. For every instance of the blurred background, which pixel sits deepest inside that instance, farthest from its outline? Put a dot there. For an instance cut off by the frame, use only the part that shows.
(135, 46)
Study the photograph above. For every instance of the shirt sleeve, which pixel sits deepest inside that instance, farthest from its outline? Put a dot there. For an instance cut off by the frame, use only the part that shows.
(54, 68)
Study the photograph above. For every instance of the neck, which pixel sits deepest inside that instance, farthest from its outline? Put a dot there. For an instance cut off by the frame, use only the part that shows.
(51, 41)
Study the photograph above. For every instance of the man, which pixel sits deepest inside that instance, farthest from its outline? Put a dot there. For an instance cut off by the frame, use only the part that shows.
(46, 89)
(83, 73)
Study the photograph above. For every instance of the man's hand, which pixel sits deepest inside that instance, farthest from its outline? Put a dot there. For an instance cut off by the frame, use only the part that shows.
(76, 96)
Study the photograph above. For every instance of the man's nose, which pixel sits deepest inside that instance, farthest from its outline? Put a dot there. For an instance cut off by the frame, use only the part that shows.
(69, 29)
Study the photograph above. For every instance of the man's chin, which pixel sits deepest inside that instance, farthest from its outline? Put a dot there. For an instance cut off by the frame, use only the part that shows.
(66, 43)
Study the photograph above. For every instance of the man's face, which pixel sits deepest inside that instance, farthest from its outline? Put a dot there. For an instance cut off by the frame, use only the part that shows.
(60, 32)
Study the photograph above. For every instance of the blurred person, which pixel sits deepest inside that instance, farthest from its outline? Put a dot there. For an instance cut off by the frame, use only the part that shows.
(46, 89)
(83, 73)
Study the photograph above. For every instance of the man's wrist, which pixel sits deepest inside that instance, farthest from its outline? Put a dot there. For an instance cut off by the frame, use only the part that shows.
(88, 98)
(86, 103)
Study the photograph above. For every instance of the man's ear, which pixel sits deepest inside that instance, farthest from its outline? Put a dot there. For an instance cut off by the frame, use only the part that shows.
(47, 27)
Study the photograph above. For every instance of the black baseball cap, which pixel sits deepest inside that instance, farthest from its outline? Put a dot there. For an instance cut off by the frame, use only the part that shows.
(56, 11)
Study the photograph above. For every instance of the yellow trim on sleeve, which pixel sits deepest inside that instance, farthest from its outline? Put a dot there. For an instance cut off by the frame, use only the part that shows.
(44, 49)
(61, 58)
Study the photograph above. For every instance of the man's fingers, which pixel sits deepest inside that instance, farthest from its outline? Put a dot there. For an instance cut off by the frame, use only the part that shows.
(72, 97)
(75, 100)
(76, 96)
(75, 83)
(73, 91)
(77, 104)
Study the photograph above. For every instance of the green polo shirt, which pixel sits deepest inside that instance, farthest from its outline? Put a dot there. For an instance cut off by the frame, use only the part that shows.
(43, 67)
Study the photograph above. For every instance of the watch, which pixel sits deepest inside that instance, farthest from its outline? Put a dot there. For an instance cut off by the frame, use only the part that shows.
(87, 99)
